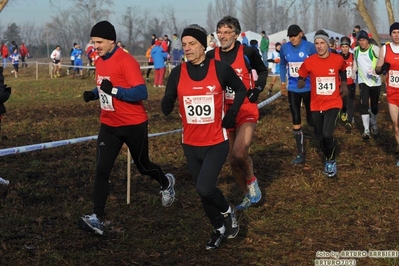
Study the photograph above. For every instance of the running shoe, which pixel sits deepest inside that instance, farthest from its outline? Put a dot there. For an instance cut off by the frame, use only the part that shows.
(366, 135)
(300, 158)
(231, 224)
(344, 116)
(330, 168)
(374, 129)
(348, 126)
(245, 204)
(91, 223)
(254, 192)
(269, 93)
(214, 242)
(168, 195)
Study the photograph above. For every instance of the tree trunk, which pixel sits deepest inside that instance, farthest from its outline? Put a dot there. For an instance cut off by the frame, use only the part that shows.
(391, 16)
(3, 3)
(367, 19)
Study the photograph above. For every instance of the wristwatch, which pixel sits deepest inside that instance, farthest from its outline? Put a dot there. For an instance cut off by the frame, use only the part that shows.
(114, 91)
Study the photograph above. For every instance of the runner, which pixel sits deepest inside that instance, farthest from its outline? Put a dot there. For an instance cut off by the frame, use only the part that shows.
(388, 61)
(199, 85)
(243, 59)
(348, 108)
(327, 71)
(292, 54)
(366, 56)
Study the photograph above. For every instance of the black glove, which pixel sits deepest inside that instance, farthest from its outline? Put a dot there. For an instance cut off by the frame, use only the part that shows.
(253, 95)
(229, 120)
(106, 86)
(8, 89)
(88, 96)
(301, 83)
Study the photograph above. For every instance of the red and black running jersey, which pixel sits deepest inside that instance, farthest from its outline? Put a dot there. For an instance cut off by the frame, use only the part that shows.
(201, 107)
(392, 78)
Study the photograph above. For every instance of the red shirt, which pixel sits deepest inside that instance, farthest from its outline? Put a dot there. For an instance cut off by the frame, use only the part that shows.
(324, 80)
(4, 51)
(201, 107)
(392, 80)
(123, 71)
(23, 50)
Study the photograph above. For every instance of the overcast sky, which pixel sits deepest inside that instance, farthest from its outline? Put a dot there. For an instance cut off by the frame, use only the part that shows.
(193, 11)
(19, 11)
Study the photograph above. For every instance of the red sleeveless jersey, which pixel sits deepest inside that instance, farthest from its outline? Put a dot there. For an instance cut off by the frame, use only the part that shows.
(242, 72)
(201, 107)
(349, 69)
(123, 71)
(392, 79)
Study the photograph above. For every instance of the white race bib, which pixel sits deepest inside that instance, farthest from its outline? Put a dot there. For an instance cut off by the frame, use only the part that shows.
(349, 72)
(325, 85)
(105, 101)
(199, 109)
(293, 68)
(393, 78)
(230, 94)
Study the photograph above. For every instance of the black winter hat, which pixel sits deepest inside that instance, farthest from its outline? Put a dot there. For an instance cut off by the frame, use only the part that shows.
(197, 32)
(103, 29)
(363, 35)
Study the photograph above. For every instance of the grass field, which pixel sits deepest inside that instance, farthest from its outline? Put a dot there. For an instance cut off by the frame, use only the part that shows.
(302, 211)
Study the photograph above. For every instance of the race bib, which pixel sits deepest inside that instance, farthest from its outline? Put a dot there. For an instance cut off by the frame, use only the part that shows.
(293, 68)
(393, 78)
(230, 94)
(199, 109)
(105, 101)
(349, 72)
(325, 85)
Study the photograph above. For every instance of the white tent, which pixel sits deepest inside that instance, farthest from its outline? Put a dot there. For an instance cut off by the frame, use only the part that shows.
(310, 36)
(277, 37)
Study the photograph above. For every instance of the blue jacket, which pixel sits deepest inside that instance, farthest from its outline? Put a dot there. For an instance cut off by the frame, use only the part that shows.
(158, 56)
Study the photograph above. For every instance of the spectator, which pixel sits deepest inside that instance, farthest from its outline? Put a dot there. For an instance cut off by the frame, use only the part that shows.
(24, 54)
(12, 47)
(159, 56)
(4, 54)
(176, 50)
(121, 45)
(255, 45)
(264, 48)
(153, 39)
(150, 61)
(244, 39)
(78, 63)
(56, 58)
(166, 44)
(5, 93)
(72, 58)
(210, 46)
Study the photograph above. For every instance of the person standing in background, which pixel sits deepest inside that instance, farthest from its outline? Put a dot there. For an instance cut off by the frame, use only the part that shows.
(176, 50)
(264, 48)
(23, 51)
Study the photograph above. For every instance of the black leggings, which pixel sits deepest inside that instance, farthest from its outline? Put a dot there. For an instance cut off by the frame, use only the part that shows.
(149, 69)
(109, 143)
(324, 123)
(205, 164)
(366, 93)
(348, 102)
(294, 99)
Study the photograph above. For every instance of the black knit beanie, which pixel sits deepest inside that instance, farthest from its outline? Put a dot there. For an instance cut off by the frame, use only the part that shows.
(103, 29)
(394, 26)
(196, 31)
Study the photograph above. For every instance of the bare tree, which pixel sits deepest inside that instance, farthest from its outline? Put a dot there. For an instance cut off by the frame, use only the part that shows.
(171, 22)
(222, 8)
(253, 14)
(3, 3)
(133, 21)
